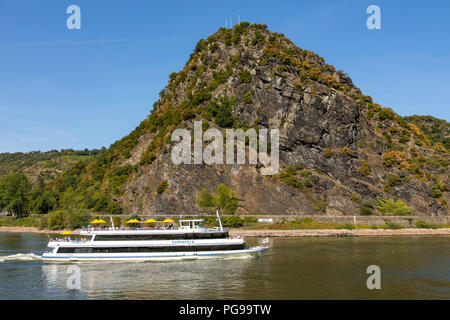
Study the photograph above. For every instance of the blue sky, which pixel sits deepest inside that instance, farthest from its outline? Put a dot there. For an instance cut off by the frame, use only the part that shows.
(87, 88)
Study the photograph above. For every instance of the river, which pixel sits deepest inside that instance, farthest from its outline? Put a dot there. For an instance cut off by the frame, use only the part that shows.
(294, 268)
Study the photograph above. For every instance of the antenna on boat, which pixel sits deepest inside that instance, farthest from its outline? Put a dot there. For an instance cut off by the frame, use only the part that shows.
(112, 222)
(218, 219)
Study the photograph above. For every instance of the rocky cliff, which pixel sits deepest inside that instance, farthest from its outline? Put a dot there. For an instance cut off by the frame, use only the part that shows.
(340, 152)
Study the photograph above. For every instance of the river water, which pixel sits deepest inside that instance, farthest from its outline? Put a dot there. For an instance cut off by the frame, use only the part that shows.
(299, 268)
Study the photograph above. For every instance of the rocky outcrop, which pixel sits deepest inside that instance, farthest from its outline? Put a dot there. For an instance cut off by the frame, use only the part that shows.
(328, 131)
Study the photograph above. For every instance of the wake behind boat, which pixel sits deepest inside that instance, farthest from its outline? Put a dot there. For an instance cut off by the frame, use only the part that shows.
(189, 241)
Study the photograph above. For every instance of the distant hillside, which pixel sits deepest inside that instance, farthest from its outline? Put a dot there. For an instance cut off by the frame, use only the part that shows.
(47, 165)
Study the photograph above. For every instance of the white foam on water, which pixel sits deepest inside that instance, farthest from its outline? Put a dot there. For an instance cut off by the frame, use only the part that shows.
(20, 257)
(245, 257)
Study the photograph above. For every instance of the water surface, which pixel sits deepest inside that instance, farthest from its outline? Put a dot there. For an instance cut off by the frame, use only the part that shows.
(301, 268)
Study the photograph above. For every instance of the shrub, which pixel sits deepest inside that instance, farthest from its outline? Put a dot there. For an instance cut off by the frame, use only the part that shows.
(147, 158)
(391, 207)
(424, 225)
(226, 198)
(346, 151)
(298, 84)
(308, 183)
(394, 158)
(248, 97)
(349, 226)
(223, 114)
(305, 173)
(393, 181)
(114, 208)
(392, 225)
(386, 113)
(232, 222)
(258, 39)
(77, 218)
(293, 182)
(55, 220)
(205, 200)
(315, 73)
(306, 220)
(282, 69)
(117, 221)
(365, 211)
(327, 153)
(364, 169)
(162, 187)
(437, 193)
(245, 76)
(404, 138)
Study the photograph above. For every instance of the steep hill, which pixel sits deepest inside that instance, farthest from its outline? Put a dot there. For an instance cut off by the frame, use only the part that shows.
(43, 166)
(340, 152)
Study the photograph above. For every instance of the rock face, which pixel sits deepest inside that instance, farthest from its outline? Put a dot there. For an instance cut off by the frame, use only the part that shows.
(339, 151)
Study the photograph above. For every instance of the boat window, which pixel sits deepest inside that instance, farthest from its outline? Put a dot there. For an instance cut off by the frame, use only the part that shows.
(152, 249)
(175, 236)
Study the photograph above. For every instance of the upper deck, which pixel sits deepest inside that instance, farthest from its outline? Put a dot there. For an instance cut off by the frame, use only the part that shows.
(188, 230)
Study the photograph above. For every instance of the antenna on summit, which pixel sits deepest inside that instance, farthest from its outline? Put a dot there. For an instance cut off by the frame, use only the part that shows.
(239, 19)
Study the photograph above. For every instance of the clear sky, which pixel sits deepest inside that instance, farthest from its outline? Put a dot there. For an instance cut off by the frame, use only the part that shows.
(87, 88)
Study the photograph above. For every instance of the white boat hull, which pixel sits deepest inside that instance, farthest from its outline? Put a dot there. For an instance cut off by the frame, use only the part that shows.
(163, 256)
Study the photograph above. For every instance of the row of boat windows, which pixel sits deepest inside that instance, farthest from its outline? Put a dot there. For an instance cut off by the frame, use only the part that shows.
(151, 249)
(179, 236)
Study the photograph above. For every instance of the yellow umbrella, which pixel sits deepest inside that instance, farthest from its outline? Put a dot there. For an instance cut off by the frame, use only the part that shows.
(133, 221)
(98, 221)
(66, 232)
(169, 220)
(150, 221)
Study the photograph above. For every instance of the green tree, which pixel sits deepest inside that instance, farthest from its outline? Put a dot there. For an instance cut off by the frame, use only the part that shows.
(55, 220)
(205, 200)
(392, 207)
(14, 194)
(44, 203)
(226, 198)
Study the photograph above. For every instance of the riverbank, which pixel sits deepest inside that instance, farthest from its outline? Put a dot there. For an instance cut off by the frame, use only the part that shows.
(34, 230)
(340, 232)
(284, 233)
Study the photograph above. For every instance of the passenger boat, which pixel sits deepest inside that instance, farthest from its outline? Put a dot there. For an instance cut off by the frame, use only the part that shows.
(189, 241)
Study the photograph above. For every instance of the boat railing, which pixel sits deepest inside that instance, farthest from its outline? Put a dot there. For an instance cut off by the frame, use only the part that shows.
(69, 239)
(89, 229)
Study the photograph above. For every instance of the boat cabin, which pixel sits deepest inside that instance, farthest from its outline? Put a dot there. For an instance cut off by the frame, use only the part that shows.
(191, 224)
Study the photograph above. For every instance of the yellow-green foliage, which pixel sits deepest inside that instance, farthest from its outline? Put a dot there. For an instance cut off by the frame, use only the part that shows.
(162, 187)
(392, 207)
(364, 169)
(225, 198)
(328, 153)
(346, 151)
(393, 158)
(248, 97)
